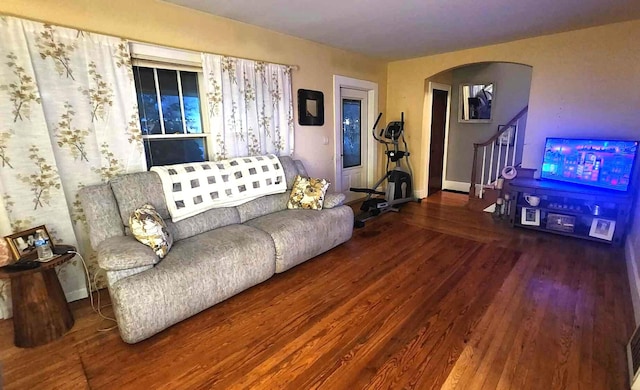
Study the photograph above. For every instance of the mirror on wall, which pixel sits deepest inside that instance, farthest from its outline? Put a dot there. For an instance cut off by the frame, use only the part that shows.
(310, 107)
(475, 102)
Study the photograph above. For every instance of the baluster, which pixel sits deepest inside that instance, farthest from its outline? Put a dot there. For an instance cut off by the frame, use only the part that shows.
(508, 147)
(493, 146)
(484, 162)
(515, 143)
(499, 161)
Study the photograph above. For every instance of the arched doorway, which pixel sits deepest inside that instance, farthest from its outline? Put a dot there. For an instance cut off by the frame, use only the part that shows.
(448, 144)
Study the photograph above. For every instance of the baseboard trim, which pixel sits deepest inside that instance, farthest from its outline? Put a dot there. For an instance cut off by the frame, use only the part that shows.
(456, 186)
(76, 295)
(634, 279)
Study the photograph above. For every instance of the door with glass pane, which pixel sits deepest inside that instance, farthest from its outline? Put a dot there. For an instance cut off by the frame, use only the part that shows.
(354, 140)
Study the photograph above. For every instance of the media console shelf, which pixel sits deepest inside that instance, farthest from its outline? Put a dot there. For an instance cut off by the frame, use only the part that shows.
(570, 210)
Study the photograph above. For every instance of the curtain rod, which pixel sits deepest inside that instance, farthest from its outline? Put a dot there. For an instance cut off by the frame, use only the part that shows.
(294, 67)
(155, 45)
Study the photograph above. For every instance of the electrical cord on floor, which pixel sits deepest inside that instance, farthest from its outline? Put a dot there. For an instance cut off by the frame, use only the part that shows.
(97, 308)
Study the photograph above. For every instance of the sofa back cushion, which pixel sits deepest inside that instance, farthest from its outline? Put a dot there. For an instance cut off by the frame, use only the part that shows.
(132, 190)
(273, 203)
(263, 206)
(101, 211)
(290, 170)
(135, 189)
(205, 221)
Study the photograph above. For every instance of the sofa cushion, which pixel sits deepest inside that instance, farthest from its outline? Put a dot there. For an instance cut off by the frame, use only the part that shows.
(124, 252)
(301, 170)
(148, 227)
(263, 206)
(307, 193)
(135, 189)
(290, 169)
(203, 222)
(333, 200)
(302, 234)
(199, 272)
(101, 212)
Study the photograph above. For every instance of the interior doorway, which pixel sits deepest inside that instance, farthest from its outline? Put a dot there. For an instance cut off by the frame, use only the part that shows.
(440, 100)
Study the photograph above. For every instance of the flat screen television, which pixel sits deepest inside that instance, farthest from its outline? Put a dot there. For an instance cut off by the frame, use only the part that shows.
(598, 163)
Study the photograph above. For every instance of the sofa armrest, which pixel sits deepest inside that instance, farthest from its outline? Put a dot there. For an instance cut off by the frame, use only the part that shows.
(333, 200)
(124, 252)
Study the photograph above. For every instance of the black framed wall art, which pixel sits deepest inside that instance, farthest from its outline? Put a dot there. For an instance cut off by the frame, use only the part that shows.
(310, 107)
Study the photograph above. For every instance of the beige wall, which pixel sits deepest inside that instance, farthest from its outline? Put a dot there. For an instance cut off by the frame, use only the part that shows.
(634, 237)
(584, 83)
(166, 24)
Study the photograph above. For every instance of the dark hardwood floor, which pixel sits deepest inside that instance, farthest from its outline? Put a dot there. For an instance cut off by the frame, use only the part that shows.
(433, 297)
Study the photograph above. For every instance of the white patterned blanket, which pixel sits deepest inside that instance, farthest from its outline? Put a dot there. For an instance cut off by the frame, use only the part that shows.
(192, 188)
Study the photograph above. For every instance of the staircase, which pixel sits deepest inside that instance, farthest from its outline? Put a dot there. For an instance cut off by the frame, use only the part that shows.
(503, 149)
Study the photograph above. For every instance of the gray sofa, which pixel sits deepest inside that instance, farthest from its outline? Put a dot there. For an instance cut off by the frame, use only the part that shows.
(215, 255)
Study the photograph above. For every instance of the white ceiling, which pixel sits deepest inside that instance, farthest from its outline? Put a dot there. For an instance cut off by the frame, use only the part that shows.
(412, 28)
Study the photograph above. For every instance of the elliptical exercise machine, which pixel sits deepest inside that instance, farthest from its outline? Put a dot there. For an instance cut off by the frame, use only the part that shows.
(399, 180)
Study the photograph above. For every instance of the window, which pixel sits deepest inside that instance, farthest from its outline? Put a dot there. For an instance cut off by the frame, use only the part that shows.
(171, 117)
(351, 125)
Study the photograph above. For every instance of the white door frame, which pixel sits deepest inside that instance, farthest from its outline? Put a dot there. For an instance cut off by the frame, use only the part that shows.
(426, 135)
(372, 111)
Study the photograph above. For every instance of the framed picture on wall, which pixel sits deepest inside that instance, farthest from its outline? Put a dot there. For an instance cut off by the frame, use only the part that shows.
(508, 137)
(310, 107)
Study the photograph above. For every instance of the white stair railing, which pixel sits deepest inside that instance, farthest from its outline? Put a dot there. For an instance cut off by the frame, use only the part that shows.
(493, 161)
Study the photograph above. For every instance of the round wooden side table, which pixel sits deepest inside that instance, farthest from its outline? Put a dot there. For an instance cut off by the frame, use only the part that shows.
(40, 310)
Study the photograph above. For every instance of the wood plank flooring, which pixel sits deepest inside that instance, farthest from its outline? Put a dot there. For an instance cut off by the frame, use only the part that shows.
(436, 296)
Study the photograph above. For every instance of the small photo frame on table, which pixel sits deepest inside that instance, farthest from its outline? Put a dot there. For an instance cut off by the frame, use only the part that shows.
(602, 228)
(530, 216)
(23, 244)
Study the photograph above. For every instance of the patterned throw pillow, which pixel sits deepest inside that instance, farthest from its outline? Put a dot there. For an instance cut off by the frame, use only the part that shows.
(148, 227)
(307, 193)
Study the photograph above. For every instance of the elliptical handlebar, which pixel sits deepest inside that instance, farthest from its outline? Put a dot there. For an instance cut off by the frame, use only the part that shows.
(377, 120)
(380, 138)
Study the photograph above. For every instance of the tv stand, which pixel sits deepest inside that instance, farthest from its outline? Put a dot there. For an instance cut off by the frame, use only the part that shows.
(570, 210)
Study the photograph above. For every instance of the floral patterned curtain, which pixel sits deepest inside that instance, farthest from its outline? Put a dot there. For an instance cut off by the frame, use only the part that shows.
(70, 119)
(250, 107)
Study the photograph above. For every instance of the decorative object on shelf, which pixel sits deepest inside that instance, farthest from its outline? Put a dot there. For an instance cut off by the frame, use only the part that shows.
(507, 204)
(23, 244)
(498, 211)
(507, 138)
(561, 223)
(310, 107)
(509, 172)
(602, 228)
(595, 209)
(6, 257)
(533, 200)
(530, 216)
